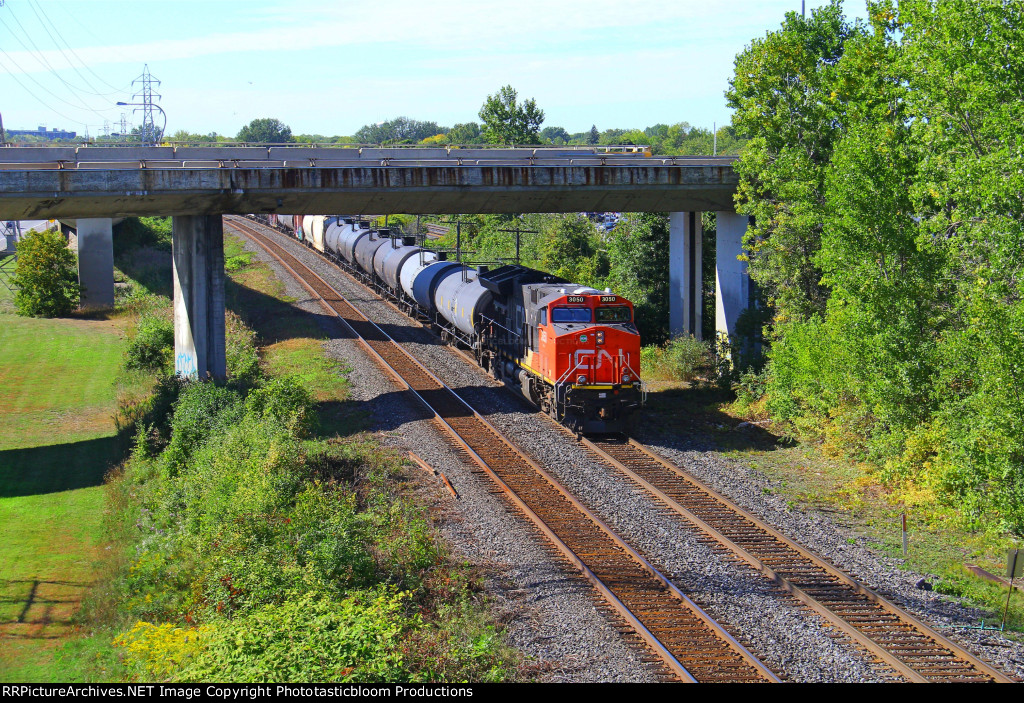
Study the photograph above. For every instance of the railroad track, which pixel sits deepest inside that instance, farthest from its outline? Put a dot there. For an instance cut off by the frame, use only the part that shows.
(689, 643)
(913, 649)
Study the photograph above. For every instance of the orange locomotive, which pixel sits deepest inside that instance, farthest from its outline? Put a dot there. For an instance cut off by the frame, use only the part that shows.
(573, 351)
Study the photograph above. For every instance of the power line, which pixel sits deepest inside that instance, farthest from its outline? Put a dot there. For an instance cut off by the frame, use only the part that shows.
(92, 89)
(78, 103)
(44, 88)
(41, 58)
(35, 4)
(41, 101)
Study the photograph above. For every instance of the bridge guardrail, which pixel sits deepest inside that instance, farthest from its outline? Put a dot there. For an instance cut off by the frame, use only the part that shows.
(92, 158)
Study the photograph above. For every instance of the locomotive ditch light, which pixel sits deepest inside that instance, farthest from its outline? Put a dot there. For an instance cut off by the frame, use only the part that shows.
(581, 380)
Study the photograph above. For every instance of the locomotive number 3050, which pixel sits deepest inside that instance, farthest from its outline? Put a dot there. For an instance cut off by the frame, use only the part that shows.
(576, 298)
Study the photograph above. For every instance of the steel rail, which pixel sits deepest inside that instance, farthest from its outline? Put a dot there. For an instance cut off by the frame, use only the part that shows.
(903, 642)
(849, 628)
(739, 662)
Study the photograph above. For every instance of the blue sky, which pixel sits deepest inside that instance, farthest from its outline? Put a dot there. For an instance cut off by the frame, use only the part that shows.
(330, 67)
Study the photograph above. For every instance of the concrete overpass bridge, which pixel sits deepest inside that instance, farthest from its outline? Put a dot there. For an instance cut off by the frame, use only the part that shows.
(197, 185)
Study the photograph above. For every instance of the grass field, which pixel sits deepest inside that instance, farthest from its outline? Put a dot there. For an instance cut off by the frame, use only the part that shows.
(57, 401)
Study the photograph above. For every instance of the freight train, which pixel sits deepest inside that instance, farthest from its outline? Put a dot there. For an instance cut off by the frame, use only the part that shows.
(571, 350)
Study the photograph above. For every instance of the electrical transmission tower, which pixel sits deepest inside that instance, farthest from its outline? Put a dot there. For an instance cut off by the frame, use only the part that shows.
(144, 97)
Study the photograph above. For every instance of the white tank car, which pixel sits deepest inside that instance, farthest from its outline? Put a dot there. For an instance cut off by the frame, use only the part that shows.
(333, 235)
(365, 248)
(392, 264)
(347, 243)
(313, 230)
(286, 222)
(461, 299)
(413, 266)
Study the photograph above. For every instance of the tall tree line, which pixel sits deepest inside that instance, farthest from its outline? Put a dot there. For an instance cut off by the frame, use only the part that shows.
(885, 173)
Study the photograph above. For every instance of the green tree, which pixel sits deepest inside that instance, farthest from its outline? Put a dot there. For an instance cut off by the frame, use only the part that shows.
(885, 172)
(136, 135)
(508, 122)
(400, 130)
(964, 66)
(638, 252)
(266, 130)
(465, 133)
(187, 138)
(46, 276)
(593, 137)
(784, 93)
(570, 250)
(554, 135)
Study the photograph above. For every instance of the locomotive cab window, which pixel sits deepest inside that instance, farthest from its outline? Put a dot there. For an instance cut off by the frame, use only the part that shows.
(570, 315)
(613, 314)
(543, 316)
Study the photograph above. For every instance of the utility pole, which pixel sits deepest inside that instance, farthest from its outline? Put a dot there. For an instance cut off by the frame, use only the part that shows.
(145, 95)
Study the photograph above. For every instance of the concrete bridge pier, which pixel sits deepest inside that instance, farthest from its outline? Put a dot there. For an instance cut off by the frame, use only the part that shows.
(685, 257)
(198, 249)
(732, 284)
(96, 261)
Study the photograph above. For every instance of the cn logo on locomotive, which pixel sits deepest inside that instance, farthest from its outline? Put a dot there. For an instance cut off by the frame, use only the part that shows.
(581, 353)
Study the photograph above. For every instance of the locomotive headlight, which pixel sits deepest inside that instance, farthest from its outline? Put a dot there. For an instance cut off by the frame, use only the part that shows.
(600, 337)
(626, 378)
(580, 380)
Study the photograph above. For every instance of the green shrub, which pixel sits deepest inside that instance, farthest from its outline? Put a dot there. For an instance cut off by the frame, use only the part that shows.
(286, 401)
(152, 347)
(238, 261)
(317, 542)
(46, 276)
(369, 636)
(248, 554)
(134, 232)
(243, 359)
(249, 467)
(752, 386)
(200, 409)
(308, 639)
(682, 358)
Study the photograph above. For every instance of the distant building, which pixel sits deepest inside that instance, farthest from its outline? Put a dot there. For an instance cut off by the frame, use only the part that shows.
(42, 132)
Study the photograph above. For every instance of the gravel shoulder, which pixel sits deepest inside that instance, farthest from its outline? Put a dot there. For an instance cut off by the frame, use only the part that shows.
(551, 613)
(886, 576)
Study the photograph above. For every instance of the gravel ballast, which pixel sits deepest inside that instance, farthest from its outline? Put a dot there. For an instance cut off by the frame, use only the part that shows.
(551, 611)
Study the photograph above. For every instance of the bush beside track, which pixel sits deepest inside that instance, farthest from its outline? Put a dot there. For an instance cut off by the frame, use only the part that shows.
(254, 538)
